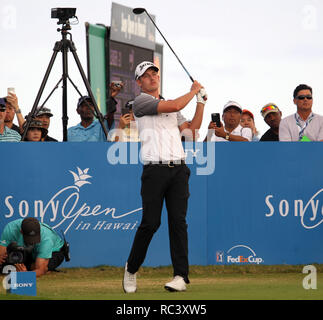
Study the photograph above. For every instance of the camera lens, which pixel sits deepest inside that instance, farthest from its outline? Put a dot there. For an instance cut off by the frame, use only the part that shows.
(15, 257)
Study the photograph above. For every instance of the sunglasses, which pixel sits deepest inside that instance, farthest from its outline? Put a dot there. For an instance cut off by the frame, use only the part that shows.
(272, 107)
(303, 97)
(2, 109)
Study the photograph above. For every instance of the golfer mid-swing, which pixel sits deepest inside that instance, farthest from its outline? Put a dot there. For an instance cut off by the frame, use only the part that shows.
(165, 174)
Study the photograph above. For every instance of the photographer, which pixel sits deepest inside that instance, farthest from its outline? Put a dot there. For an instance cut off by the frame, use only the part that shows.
(41, 249)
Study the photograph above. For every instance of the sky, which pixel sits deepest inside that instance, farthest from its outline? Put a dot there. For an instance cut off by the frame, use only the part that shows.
(252, 51)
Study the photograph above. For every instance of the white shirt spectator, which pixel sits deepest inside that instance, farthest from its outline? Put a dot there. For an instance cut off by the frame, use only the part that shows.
(293, 128)
(238, 131)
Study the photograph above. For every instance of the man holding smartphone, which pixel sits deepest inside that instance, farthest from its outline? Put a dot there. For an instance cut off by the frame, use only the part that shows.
(231, 130)
(6, 134)
(12, 110)
(165, 175)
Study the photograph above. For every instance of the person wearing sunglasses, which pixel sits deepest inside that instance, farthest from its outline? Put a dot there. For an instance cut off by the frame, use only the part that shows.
(304, 125)
(272, 116)
(6, 134)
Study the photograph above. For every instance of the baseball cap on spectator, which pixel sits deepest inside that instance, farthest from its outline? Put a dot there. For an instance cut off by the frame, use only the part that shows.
(43, 111)
(30, 228)
(36, 124)
(231, 104)
(142, 67)
(83, 99)
(269, 108)
(249, 113)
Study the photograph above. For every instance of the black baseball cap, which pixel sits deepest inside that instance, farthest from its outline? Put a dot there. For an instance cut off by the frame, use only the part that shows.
(30, 228)
(83, 99)
(3, 102)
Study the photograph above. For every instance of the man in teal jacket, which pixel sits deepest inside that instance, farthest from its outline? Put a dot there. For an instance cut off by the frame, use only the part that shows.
(45, 249)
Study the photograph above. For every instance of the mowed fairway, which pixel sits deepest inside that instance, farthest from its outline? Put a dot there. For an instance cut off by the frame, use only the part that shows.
(207, 283)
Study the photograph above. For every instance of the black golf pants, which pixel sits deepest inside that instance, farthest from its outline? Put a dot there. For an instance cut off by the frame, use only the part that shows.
(159, 182)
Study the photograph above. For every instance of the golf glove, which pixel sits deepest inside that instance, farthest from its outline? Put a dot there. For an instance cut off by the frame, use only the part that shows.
(201, 96)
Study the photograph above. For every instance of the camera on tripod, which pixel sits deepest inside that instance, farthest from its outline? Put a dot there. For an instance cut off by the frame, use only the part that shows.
(63, 14)
(64, 46)
(17, 254)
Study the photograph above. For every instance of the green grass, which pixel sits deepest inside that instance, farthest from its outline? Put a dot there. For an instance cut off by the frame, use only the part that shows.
(207, 283)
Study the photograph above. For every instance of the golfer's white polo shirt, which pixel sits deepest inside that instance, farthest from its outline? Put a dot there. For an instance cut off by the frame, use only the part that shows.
(238, 131)
(159, 132)
(289, 128)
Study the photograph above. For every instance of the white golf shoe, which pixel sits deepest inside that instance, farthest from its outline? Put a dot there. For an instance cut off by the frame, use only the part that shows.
(177, 284)
(129, 282)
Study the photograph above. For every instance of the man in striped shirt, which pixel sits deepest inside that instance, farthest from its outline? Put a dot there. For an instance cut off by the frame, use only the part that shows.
(6, 134)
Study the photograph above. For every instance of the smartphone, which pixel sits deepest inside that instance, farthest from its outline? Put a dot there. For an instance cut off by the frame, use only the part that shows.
(11, 90)
(216, 118)
(125, 111)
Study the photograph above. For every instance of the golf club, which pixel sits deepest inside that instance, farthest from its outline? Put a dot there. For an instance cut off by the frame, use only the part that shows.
(140, 11)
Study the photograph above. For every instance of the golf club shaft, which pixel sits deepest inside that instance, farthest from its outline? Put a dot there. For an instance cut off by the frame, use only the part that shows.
(170, 46)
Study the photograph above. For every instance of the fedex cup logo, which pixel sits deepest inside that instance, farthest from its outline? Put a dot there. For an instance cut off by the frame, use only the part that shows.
(249, 255)
(239, 254)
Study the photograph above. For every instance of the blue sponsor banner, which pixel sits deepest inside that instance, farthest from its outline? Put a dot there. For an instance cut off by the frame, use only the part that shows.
(23, 283)
(267, 206)
(256, 203)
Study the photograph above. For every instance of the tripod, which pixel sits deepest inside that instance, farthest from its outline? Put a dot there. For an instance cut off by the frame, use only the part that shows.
(64, 46)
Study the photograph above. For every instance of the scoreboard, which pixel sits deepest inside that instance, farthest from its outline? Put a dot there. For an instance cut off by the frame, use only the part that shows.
(114, 52)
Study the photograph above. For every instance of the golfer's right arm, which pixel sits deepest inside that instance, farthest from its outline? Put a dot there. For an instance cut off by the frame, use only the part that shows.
(179, 103)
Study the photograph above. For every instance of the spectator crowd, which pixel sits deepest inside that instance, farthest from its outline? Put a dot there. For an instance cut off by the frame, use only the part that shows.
(238, 123)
